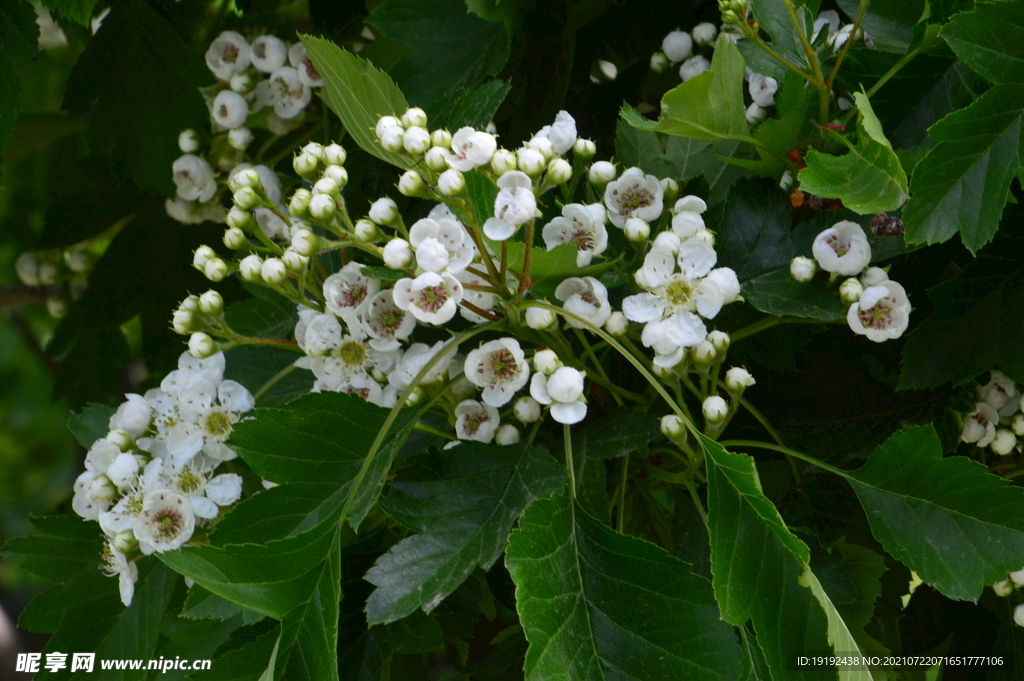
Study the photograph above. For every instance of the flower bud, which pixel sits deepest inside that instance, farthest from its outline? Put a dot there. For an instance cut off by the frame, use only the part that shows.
(273, 271)
(211, 303)
(565, 385)
(235, 238)
(416, 141)
(322, 207)
(503, 161)
(201, 345)
(540, 318)
(239, 138)
(677, 46)
(617, 324)
(1004, 442)
(27, 267)
(125, 541)
(298, 206)
(334, 155)
(397, 254)
(530, 161)
(451, 182)
(559, 171)
(850, 290)
(704, 33)
(1017, 424)
(416, 396)
(121, 439)
(802, 269)
(49, 273)
(1017, 577)
(659, 62)
(188, 141)
(246, 198)
(694, 66)
(393, 139)
(583, 150)
(384, 123)
(191, 304)
(715, 409)
(441, 138)
(507, 435)
(102, 488)
(414, 117)
(755, 113)
(57, 307)
(215, 270)
(239, 219)
(411, 184)
(704, 354)
(705, 235)
(873, 276)
(337, 174)
(720, 340)
(384, 211)
(738, 379)
(546, 362)
(242, 83)
(671, 189)
(305, 242)
(436, 159)
(183, 322)
(293, 261)
(544, 145)
(201, 256)
(1018, 615)
(526, 409)
(786, 181)
(601, 173)
(244, 177)
(328, 186)
(1003, 588)
(250, 268)
(673, 427)
(365, 231)
(636, 230)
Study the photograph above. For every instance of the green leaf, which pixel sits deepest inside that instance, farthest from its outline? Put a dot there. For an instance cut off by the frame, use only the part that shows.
(616, 436)
(141, 80)
(868, 179)
(775, 20)
(268, 372)
(202, 604)
(449, 50)
(762, 572)
(890, 23)
(268, 315)
(358, 93)
(596, 604)
(279, 512)
(79, 11)
(91, 423)
(548, 269)
(19, 35)
(383, 273)
(64, 548)
(462, 503)
(477, 108)
(779, 294)
(958, 526)
(990, 40)
(961, 185)
(706, 107)
(246, 663)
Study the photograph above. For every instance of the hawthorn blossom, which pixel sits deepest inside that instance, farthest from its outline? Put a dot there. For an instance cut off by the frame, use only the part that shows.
(285, 92)
(1001, 392)
(499, 367)
(385, 322)
(882, 313)
(843, 248)
(634, 195)
(193, 177)
(475, 421)
(583, 227)
(165, 523)
(980, 425)
(228, 55)
(586, 297)
(514, 205)
(229, 110)
(348, 292)
(471, 149)
(432, 298)
(268, 53)
(562, 132)
(762, 89)
(116, 564)
(414, 359)
(563, 390)
(308, 74)
(441, 244)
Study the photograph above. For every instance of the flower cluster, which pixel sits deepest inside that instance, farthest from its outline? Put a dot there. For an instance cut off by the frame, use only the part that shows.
(157, 476)
(64, 271)
(879, 308)
(1013, 582)
(998, 416)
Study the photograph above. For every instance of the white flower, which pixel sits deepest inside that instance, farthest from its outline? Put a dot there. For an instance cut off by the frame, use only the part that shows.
(715, 409)
(634, 195)
(704, 33)
(980, 425)
(307, 72)
(445, 243)
(694, 66)
(285, 92)
(1017, 577)
(1001, 393)
(677, 46)
(188, 141)
(229, 109)
(93, 493)
(514, 205)
(737, 379)
(133, 415)
(471, 149)
(432, 298)
(562, 132)
(755, 113)
(583, 227)
(498, 367)
(586, 297)
(475, 421)
(829, 18)
(507, 435)
(165, 523)
(268, 53)
(526, 409)
(563, 390)
(883, 312)
(414, 359)
(385, 322)
(762, 89)
(320, 336)
(123, 470)
(1018, 615)
(127, 573)
(194, 178)
(802, 269)
(348, 292)
(842, 248)
(1004, 442)
(224, 489)
(228, 55)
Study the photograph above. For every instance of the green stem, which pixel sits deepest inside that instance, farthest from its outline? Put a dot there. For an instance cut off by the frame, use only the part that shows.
(524, 279)
(620, 522)
(696, 502)
(597, 365)
(812, 59)
(434, 431)
(849, 41)
(769, 322)
(567, 435)
(272, 381)
(786, 450)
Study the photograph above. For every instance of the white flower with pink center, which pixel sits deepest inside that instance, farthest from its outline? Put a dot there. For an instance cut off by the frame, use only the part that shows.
(348, 292)
(843, 248)
(586, 297)
(980, 425)
(385, 323)
(583, 227)
(498, 367)
(475, 421)
(634, 195)
(470, 149)
(285, 92)
(228, 55)
(165, 523)
(882, 313)
(431, 298)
